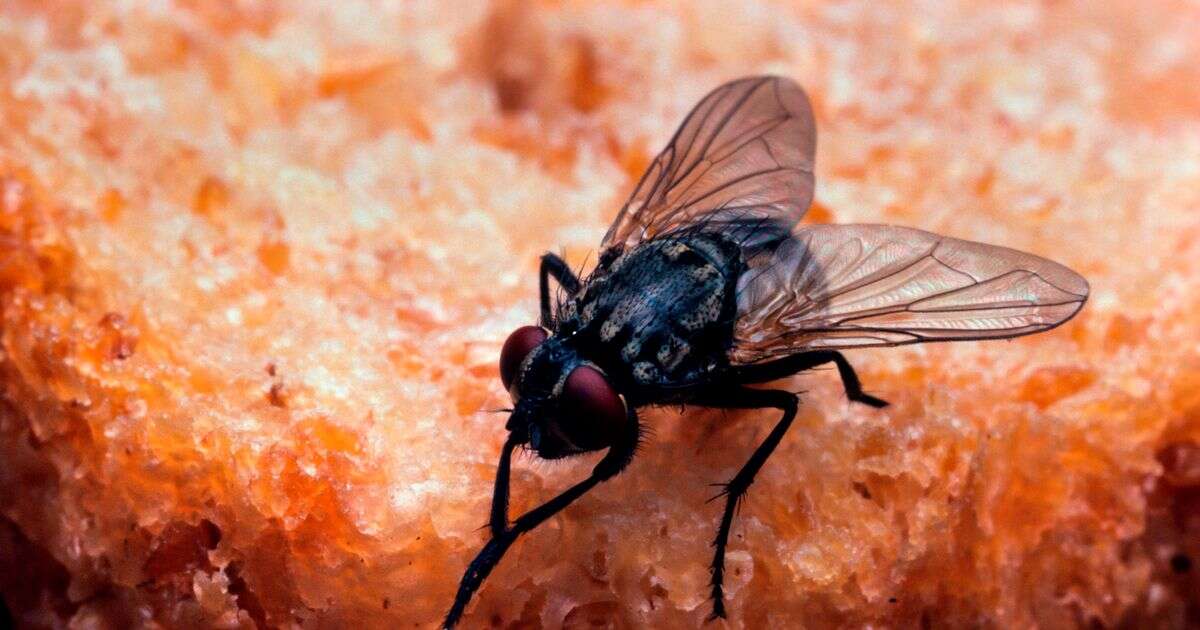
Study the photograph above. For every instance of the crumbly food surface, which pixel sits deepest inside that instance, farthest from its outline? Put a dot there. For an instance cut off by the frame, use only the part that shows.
(257, 261)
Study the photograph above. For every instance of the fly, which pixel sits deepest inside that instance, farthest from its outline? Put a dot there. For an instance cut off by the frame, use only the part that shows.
(705, 285)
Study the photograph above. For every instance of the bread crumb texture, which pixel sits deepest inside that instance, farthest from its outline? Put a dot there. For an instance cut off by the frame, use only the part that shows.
(257, 261)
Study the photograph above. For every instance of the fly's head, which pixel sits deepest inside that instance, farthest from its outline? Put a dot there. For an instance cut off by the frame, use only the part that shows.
(562, 404)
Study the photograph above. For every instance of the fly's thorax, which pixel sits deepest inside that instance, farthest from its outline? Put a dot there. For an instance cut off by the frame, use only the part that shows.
(660, 314)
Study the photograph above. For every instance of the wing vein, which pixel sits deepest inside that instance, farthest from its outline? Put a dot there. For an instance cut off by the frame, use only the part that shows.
(876, 285)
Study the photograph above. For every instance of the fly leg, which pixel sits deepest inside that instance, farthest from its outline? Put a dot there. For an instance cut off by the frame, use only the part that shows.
(499, 515)
(744, 398)
(788, 366)
(503, 536)
(552, 265)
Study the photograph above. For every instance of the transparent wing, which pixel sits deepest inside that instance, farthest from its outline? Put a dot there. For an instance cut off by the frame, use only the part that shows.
(741, 160)
(849, 286)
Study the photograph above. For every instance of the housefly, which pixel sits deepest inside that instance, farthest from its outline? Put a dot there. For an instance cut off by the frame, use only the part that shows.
(705, 285)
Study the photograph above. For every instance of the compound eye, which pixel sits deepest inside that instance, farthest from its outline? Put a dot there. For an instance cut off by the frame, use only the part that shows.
(593, 412)
(518, 346)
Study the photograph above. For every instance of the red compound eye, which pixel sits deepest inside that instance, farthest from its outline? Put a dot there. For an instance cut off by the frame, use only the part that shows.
(593, 414)
(516, 348)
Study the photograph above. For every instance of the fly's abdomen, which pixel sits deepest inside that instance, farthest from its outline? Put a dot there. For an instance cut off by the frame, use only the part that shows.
(662, 314)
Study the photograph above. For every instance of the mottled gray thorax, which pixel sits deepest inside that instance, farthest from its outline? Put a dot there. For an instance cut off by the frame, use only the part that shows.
(661, 314)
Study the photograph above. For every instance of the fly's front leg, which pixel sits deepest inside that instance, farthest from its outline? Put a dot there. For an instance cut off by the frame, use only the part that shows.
(788, 366)
(503, 535)
(554, 266)
(743, 398)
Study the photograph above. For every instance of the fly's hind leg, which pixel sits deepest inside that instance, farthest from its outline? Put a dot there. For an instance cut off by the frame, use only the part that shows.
(554, 266)
(744, 398)
(788, 366)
